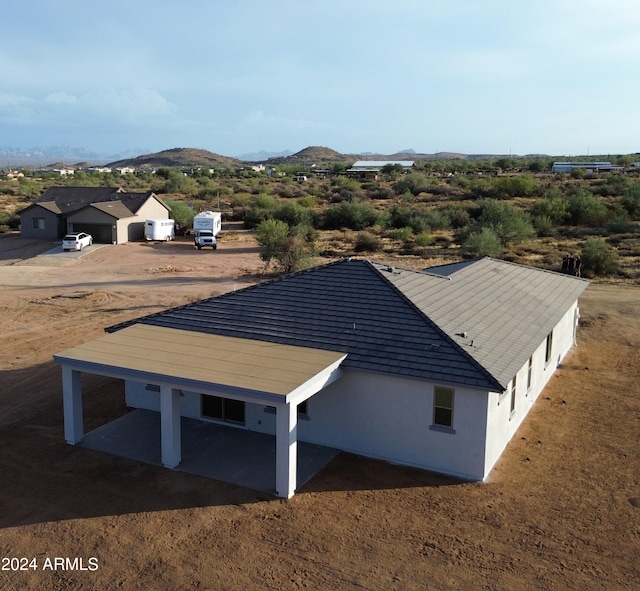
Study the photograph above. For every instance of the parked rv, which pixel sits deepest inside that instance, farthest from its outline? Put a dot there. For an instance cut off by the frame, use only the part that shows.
(206, 226)
(162, 230)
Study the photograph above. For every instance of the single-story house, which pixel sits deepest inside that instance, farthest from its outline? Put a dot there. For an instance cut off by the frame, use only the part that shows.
(110, 215)
(434, 369)
(370, 169)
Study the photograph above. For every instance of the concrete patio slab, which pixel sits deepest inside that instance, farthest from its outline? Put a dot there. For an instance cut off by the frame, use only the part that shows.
(211, 450)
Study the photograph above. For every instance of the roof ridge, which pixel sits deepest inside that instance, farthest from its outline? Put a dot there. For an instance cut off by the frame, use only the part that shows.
(446, 336)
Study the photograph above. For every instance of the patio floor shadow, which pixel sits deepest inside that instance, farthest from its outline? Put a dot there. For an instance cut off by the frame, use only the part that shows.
(232, 455)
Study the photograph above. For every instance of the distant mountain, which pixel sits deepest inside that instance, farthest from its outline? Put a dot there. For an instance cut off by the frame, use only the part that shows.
(313, 155)
(42, 156)
(177, 157)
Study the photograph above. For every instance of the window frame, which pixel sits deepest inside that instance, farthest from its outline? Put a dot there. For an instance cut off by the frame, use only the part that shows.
(512, 395)
(548, 353)
(436, 418)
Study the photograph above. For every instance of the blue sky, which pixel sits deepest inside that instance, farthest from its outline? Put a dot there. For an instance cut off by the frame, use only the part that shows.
(558, 77)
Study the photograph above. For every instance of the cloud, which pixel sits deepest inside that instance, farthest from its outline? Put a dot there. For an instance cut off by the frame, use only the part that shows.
(15, 109)
(61, 98)
(129, 105)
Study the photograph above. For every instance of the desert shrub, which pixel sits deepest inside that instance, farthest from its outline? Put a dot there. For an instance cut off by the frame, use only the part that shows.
(293, 214)
(290, 247)
(408, 216)
(618, 224)
(458, 216)
(554, 206)
(507, 222)
(630, 201)
(484, 242)
(353, 214)
(367, 242)
(424, 239)
(402, 234)
(585, 209)
(515, 186)
(308, 201)
(543, 225)
(598, 258)
(413, 182)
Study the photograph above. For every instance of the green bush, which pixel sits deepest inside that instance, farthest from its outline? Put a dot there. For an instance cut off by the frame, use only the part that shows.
(507, 222)
(181, 213)
(402, 234)
(598, 258)
(424, 239)
(585, 209)
(353, 214)
(484, 242)
(543, 225)
(515, 186)
(630, 201)
(555, 206)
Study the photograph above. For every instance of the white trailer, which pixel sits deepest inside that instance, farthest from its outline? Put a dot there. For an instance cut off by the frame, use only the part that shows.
(206, 226)
(162, 230)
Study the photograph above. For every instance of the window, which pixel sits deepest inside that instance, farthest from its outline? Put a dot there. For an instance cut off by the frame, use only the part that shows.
(529, 372)
(38, 223)
(152, 388)
(223, 409)
(303, 409)
(549, 346)
(443, 407)
(514, 386)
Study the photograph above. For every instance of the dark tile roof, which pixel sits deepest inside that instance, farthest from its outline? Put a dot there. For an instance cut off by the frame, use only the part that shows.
(394, 320)
(72, 199)
(346, 306)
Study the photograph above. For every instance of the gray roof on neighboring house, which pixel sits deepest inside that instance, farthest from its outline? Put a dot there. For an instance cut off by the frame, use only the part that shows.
(375, 164)
(394, 320)
(71, 199)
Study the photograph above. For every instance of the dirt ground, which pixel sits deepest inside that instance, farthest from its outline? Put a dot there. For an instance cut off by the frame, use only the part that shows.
(561, 510)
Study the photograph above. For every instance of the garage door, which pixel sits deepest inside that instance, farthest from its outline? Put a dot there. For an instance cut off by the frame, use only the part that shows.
(101, 232)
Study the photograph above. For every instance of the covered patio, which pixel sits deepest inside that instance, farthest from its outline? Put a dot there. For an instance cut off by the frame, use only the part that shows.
(275, 375)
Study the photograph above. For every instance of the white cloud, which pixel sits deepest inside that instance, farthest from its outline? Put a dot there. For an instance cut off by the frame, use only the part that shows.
(61, 98)
(129, 105)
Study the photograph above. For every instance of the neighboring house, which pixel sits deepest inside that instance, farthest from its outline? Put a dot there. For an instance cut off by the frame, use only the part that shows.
(371, 168)
(588, 167)
(434, 369)
(110, 215)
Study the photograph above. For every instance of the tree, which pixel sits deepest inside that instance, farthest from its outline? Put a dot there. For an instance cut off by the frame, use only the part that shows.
(505, 220)
(598, 257)
(272, 237)
(290, 246)
(586, 209)
(181, 213)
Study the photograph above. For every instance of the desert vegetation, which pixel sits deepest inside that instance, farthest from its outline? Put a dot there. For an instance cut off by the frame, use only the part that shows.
(512, 208)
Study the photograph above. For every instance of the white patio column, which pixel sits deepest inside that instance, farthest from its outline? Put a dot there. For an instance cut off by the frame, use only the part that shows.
(171, 444)
(72, 405)
(286, 449)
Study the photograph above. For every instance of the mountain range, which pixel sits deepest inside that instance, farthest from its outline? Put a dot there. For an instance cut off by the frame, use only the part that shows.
(192, 157)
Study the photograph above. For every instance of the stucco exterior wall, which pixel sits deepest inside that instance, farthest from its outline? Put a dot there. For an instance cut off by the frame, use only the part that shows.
(502, 422)
(53, 225)
(391, 418)
(374, 415)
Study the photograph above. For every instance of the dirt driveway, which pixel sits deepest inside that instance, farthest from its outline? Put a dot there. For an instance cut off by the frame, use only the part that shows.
(560, 511)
